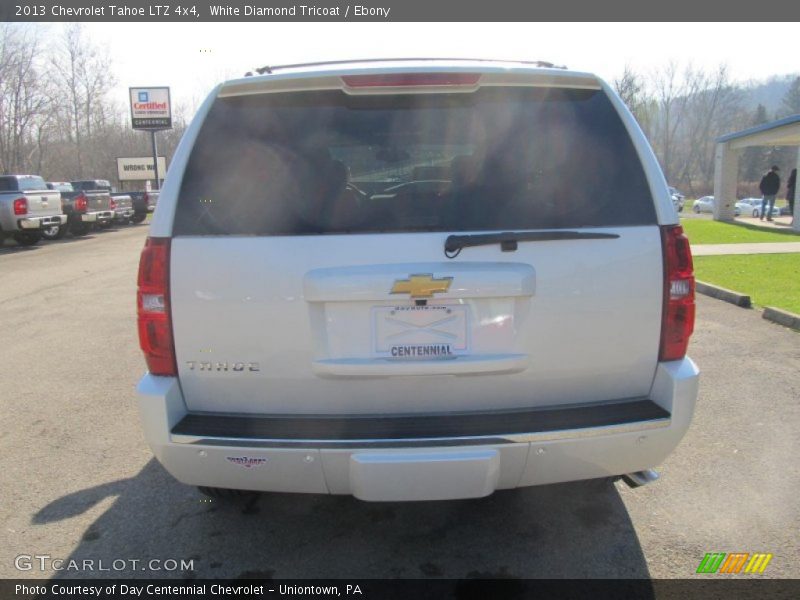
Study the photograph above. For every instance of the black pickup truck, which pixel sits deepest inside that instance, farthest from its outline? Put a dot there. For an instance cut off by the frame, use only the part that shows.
(85, 209)
(121, 202)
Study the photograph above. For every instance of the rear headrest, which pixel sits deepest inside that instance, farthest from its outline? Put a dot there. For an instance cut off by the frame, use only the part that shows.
(463, 171)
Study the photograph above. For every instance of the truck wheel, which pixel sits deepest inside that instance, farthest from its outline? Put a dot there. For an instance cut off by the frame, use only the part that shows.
(78, 229)
(226, 494)
(138, 217)
(56, 232)
(27, 238)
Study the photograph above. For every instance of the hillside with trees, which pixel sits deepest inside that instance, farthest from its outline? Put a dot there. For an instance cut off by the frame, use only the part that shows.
(56, 116)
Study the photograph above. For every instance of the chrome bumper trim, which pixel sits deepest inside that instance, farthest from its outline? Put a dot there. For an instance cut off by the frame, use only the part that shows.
(41, 222)
(92, 217)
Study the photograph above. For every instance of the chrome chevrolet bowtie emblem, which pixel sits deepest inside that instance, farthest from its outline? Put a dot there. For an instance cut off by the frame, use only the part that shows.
(421, 285)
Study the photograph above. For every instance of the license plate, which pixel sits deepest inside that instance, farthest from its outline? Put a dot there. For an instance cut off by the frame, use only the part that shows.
(420, 332)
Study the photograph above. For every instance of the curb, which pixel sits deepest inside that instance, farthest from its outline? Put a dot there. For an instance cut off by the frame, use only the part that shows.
(721, 293)
(782, 317)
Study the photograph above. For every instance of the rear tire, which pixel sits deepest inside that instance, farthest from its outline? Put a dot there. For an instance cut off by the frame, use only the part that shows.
(27, 238)
(696, 210)
(225, 494)
(56, 232)
(138, 218)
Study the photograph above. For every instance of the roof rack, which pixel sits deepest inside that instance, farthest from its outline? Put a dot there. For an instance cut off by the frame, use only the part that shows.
(269, 69)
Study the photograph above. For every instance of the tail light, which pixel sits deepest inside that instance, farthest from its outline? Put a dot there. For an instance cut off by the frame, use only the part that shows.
(677, 319)
(146, 198)
(411, 79)
(112, 205)
(21, 206)
(153, 308)
(81, 203)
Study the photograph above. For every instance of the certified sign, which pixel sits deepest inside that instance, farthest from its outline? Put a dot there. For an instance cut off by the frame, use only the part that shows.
(140, 168)
(150, 108)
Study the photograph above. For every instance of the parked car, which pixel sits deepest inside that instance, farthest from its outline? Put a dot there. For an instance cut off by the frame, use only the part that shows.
(27, 207)
(514, 331)
(143, 203)
(121, 202)
(752, 207)
(745, 206)
(122, 205)
(706, 205)
(677, 199)
(88, 206)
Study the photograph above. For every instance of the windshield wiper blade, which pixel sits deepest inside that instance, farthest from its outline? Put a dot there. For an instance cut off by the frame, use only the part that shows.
(508, 240)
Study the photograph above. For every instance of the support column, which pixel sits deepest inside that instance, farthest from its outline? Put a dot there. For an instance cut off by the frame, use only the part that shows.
(726, 174)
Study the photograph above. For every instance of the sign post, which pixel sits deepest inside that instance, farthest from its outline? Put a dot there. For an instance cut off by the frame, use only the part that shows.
(151, 110)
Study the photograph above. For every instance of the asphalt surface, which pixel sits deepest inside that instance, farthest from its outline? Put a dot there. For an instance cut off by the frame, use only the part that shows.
(79, 482)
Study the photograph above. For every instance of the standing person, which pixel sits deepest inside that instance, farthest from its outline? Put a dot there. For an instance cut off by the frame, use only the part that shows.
(769, 186)
(791, 184)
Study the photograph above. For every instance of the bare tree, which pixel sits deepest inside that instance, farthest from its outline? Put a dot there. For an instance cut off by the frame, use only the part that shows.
(632, 90)
(23, 107)
(671, 97)
(713, 106)
(83, 77)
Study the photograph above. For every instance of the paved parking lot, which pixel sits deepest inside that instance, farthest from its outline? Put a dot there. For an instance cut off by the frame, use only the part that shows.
(79, 481)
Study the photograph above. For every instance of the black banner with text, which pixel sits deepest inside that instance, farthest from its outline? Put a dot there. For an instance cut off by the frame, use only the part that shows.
(166, 11)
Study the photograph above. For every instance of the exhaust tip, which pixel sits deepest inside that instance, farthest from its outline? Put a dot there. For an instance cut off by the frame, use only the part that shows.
(640, 478)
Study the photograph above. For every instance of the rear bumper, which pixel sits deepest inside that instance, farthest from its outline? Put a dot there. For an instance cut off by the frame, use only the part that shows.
(418, 458)
(98, 216)
(41, 222)
(123, 214)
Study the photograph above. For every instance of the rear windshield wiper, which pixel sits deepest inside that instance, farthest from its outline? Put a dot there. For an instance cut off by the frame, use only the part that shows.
(508, 240)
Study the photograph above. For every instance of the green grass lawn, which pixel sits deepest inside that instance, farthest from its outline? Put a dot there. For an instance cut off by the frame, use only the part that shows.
(769, 279)
(706, 231)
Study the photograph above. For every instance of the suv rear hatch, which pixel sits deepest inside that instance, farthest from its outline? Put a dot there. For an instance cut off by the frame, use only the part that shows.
(311, 271)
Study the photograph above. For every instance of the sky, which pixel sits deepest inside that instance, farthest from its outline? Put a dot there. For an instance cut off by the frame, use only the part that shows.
(192, 58)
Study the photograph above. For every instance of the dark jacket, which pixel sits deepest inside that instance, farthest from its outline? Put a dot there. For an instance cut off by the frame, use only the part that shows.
(770, 184)
(790, 185)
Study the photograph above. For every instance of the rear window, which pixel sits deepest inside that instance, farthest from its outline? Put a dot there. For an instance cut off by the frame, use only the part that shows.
(496, 159)
(92, 185)
(22, 183)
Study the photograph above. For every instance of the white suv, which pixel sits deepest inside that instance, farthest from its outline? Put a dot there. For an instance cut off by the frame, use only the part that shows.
(414, 280)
